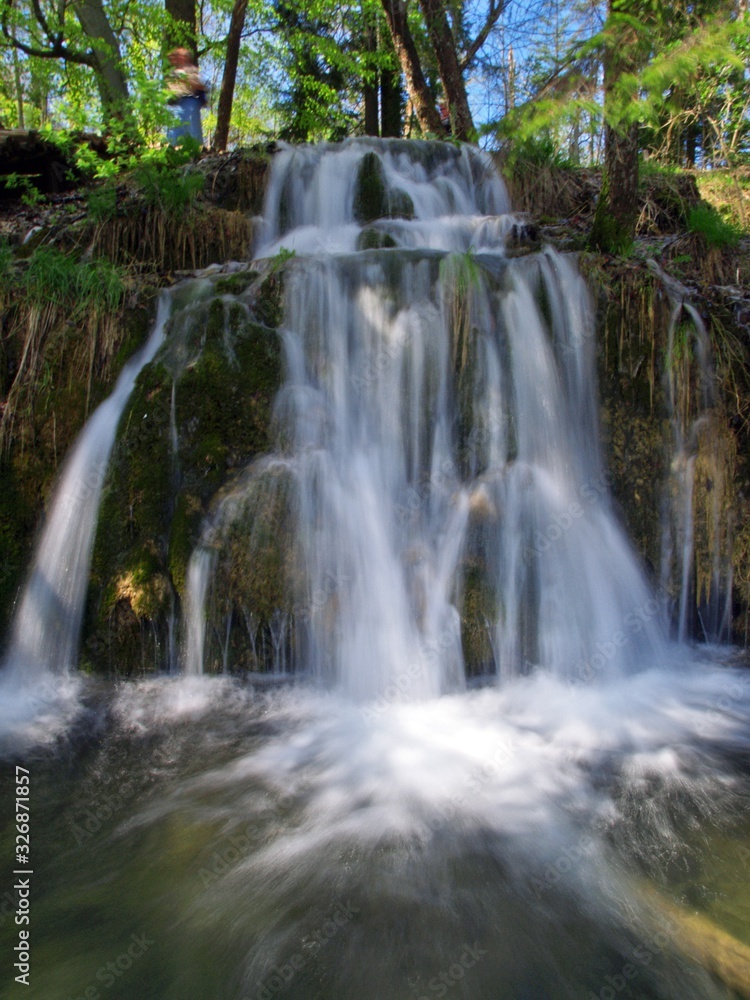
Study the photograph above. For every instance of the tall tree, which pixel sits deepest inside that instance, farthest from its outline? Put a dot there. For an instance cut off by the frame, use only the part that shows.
(44, 34)
(444, 45)
(617, 209)
(181, 27)
(370, 85)
(416, 85)
(226, 95)
(107, 58)
(391, 98)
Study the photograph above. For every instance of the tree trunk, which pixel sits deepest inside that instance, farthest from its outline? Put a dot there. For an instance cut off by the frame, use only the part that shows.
(226, 95)
(370, 90)
(406, 50)
(390, 103)
(110, 78)
(444, 45)
(181, 26)
(616, 215)
(19, 88)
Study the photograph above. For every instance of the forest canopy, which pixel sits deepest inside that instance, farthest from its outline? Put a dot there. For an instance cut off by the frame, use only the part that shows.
(555, 80)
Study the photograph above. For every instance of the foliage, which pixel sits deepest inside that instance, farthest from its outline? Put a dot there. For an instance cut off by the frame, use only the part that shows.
(716, 231)
(278, 261)
(53, 278)
(171, 190)
(686, 90)
(30, 194)
(539, 150)
(101, 202)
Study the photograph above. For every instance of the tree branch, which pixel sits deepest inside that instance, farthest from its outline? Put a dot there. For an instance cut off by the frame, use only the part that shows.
(493, 14)
(42, 20)
(56, 50)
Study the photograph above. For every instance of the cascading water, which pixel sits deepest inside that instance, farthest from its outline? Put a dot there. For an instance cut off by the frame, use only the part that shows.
(435, 509)
(458, 378)
(47, 624)
(691, 401)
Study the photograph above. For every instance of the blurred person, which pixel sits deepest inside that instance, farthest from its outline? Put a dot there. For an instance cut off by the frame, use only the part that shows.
(187, 95)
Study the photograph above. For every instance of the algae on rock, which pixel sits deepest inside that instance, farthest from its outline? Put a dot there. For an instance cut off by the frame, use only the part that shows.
(198, 415)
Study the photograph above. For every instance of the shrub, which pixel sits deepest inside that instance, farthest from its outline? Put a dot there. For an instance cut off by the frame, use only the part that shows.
(716, 231)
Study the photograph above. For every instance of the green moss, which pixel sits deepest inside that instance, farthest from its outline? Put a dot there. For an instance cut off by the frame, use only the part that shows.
(399, 204)
(183, 537)
(370, 198)
(234, 284)
(268, 306)
(373, 239)
(609, 236)
(17, 519)
(138, 323)
(259, 569)
(224, 374)
(129, 561)
(478, 608)
(78, 362)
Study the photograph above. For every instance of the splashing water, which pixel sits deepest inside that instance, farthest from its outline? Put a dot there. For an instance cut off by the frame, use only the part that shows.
(361, 837)
(47, 624)
(438, 424)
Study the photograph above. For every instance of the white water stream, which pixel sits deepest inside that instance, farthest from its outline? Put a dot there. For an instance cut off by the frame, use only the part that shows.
(383, 831)
(439, 423)
(46, 626)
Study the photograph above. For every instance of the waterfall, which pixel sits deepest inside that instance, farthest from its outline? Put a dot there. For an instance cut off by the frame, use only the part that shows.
(697, 458)
(47, 624)
(438, 431)
(199, 574)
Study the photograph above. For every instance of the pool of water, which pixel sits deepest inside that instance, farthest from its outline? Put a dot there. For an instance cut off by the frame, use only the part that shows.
(201, 838)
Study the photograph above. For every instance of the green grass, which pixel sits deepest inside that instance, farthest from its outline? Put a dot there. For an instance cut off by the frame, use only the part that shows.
(55, 278)
(717, 231)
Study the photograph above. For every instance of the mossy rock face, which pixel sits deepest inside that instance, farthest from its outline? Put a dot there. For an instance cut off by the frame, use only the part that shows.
(478, 607)
(399, 204)
(129, 585)
(268, 305)
(373, 239)
(233, 284)
(236, 181)
(259, 574)
(17, 521)
(373, 199)
(634, 318)
(370, 199)
(78, 363)
(214, 400)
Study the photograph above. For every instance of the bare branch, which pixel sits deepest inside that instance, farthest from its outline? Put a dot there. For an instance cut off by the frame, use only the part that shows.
(495, 10)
